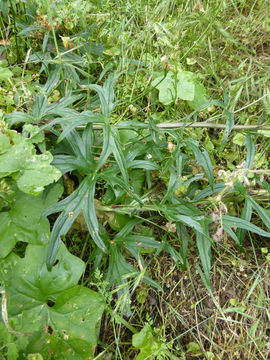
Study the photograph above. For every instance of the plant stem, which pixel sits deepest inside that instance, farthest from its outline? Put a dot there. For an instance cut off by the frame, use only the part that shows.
(54, 38)
(179, 125)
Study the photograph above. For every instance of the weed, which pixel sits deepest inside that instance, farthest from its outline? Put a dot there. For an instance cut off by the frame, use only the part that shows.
(154, 117)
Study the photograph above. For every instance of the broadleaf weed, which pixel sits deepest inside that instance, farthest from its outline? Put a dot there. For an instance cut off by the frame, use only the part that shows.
(111, 104)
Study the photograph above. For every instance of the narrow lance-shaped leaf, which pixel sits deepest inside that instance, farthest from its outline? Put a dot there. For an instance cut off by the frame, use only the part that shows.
(243, 224)
(245, 215)
(71, 122)
(203, 159)
(260, 211)
(187, 220)
(118, 155)
(232, 234)
(175, 174)
(229, 126)
(142, 164)
(249, 143)
(73, 206)
(61, 227)
(102, 96)
(53, 79)
(106, 150)
(76, 143)
(208, 191)
(90, 216)
(204, 247)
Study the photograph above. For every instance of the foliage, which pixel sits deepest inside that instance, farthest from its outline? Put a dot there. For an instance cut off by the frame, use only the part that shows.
(49, 308)
(85, 105)
(183, 85)
(18, 159)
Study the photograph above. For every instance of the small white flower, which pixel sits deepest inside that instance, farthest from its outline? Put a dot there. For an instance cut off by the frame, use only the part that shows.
(149, 156)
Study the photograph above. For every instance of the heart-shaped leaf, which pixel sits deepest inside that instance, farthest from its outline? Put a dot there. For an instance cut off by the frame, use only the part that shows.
(51, 305)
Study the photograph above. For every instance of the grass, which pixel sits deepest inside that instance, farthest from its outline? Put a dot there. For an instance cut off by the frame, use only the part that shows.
(184, 312)
(226, 44)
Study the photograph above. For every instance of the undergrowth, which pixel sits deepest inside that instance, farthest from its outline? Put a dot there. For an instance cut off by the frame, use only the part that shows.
(134, 168)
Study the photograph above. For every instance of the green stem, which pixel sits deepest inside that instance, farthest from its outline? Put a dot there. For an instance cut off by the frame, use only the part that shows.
(54, 38)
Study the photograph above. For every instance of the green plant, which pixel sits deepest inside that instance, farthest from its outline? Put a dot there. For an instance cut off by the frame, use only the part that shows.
(150, 346)
(89, 97)
(48, 311)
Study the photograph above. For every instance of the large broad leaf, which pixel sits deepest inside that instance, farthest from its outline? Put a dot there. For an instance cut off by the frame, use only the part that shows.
(33, 172)
(166, 87)
(23, 221)
(14, 158)
(182, 85)
(200, 97)
(50, 306)
(38, 173)
(185, 86)
(5, 73)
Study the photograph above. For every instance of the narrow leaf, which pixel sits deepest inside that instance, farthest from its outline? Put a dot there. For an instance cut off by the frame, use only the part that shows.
(249, 143)
(243, 224)
(203, 159)
(90, 216)
(118, 155)
(260, 211)
(204, 247)
(175, 174)
(229, 126)
(245, 215)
